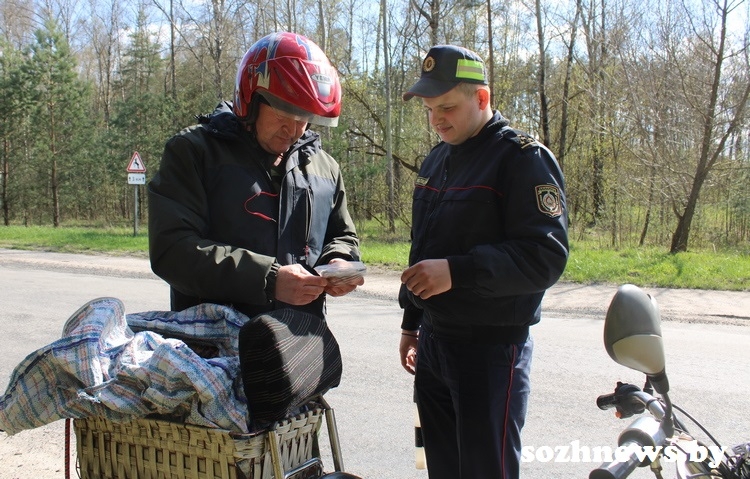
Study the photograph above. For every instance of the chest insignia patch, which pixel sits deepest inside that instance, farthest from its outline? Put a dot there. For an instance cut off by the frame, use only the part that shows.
(548, 200)
(421, 181)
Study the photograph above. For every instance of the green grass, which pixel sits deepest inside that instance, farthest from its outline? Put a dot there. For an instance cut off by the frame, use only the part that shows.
(657, 268)
(75, 239)
(653, 267)
(388, 254)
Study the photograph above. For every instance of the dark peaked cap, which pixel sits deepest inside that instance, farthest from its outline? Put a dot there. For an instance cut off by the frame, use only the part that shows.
(444, 67)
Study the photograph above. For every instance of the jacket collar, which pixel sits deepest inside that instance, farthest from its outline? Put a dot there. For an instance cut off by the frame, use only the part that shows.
(223, 123)
(494, 125)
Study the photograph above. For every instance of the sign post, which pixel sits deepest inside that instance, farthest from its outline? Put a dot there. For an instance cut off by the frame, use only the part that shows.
(136, 176)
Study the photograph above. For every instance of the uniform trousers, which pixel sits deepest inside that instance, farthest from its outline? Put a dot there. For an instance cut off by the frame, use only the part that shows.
(472, 401)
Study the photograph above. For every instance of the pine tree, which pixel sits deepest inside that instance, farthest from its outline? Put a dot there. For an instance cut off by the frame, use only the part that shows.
(142, 116)
(58, 102)
(11, 126)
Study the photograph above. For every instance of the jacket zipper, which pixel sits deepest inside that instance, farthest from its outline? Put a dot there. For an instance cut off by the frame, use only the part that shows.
(308, 227)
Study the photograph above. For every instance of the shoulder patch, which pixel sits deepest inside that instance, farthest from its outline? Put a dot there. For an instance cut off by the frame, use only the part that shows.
(548, 200)
(526, 141)
(521, 138)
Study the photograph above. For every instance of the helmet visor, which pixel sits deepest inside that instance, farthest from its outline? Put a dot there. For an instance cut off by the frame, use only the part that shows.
(289, 111)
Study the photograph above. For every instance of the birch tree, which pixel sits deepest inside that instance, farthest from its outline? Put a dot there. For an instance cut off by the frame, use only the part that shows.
(714, 75)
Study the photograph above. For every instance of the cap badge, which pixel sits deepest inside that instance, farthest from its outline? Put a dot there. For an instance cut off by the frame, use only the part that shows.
(428, 65)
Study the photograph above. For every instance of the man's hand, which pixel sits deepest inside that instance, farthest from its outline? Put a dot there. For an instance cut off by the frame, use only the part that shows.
(408, 351)
(297, 286)
(428, 278)
(338, 287)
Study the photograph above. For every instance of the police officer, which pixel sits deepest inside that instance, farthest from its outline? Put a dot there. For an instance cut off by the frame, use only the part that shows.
(489, 236)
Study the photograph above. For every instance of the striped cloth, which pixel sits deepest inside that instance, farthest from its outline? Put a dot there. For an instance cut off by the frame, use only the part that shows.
(118, 366)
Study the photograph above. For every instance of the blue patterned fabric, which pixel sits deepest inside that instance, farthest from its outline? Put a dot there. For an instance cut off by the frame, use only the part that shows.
(118, 366)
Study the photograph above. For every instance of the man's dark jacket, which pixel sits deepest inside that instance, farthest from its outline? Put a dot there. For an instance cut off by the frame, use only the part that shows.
(219, 228)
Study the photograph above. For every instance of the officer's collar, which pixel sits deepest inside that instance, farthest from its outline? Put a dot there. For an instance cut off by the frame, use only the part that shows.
(493, 125)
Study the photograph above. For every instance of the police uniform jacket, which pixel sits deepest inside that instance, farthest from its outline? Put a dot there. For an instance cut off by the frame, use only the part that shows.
(494, 206)
(220, 226)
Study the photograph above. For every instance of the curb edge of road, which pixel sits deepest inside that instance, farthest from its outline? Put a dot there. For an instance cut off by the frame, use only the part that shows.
(686, 306)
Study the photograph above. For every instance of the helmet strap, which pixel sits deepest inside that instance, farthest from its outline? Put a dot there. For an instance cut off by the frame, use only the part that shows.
(253, 107)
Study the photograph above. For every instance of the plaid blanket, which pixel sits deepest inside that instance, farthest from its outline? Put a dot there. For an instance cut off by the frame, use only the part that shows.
(183, 365)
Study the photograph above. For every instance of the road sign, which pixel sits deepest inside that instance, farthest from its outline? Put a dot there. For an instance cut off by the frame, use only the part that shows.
(136, 178)
(136, 164)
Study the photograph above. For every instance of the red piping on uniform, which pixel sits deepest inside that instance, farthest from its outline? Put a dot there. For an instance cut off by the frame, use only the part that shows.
(507, 408)
(462, 188)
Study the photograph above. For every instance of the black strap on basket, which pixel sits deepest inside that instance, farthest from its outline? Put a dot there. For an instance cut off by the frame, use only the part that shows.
(286, 358)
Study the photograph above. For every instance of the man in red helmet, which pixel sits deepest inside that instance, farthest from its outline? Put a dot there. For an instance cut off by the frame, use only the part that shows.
(246, 203)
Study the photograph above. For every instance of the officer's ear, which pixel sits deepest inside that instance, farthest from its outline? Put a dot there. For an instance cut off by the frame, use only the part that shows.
(483, 95)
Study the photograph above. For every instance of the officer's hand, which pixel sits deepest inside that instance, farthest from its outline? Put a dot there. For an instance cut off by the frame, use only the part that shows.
(408, 351)
(342, 286)
(297, 286)
(428, 278)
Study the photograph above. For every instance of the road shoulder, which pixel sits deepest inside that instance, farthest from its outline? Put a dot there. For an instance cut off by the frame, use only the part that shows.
(562, 300)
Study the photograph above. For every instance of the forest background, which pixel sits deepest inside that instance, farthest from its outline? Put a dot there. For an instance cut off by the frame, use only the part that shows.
(644, 103)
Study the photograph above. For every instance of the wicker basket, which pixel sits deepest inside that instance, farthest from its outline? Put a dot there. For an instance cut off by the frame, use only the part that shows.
(156, 449)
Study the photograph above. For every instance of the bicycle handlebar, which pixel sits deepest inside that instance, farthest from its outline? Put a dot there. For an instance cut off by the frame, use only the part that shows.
(629, 399)
(615, 469)
(606, 401)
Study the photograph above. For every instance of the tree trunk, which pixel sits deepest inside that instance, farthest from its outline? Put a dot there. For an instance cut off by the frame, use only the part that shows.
(542, 75)
(172, 63)
(390, 209)
(649, 206)
(322, 30)
(218, 45)
(491, 59)
(54, 177)
(4, 186)
(561, 149)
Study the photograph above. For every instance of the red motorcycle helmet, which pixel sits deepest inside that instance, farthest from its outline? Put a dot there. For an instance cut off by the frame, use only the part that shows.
(291, 73)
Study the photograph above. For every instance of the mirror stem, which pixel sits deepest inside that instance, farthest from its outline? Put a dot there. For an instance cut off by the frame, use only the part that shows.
(667, 422)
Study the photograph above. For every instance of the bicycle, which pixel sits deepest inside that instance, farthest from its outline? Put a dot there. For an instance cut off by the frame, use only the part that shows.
(632, 338)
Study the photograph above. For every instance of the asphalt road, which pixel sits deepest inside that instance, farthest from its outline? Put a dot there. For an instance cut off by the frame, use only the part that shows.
(705, 333)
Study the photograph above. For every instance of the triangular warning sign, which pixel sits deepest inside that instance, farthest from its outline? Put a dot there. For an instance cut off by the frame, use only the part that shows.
(136, 164)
